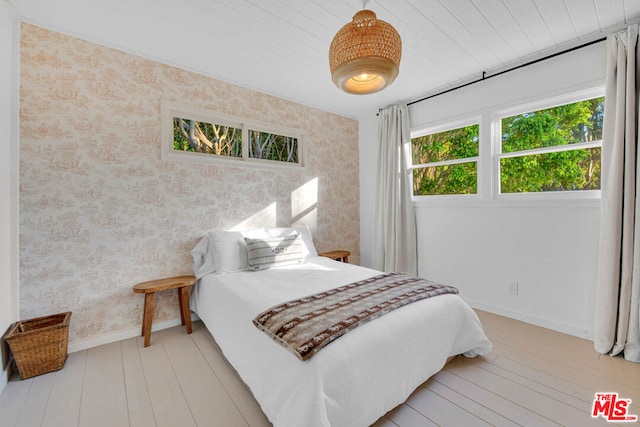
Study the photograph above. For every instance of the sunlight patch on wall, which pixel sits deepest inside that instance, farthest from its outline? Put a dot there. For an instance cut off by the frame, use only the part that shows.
(304, 204)
(266, 218)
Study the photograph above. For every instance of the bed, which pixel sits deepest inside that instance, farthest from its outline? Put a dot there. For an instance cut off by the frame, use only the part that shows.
(354, 380)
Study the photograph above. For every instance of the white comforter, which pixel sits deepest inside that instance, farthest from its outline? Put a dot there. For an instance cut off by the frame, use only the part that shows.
(355, 379)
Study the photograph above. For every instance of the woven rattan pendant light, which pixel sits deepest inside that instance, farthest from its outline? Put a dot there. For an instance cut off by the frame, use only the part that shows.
(364, 55)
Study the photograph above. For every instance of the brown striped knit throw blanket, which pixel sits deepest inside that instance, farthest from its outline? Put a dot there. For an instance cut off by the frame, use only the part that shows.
(306, 325)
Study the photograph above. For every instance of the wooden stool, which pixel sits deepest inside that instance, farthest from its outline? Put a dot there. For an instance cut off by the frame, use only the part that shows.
(149, 289)
(339, 255)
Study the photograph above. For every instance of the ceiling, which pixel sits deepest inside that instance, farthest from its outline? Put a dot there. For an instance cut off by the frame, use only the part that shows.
(280, 47)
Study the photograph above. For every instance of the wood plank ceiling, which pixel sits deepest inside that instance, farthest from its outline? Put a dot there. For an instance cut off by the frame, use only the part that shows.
(281, 47)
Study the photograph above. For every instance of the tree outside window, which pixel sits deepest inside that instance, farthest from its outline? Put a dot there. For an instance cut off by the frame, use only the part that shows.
(209, 138)
(445, 162)
(554, 149)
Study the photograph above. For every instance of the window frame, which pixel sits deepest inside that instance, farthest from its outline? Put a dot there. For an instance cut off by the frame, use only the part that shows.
(540, 104)
(169, 110)
(443, 127)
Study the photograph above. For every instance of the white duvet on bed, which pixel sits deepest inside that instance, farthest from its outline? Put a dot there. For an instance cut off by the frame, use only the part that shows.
(355, 379)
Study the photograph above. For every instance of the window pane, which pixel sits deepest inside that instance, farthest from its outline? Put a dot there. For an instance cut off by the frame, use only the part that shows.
(448, 179)
(263, 145)
(566, 124)
(560, 171)
(453, 144)
(202, 137)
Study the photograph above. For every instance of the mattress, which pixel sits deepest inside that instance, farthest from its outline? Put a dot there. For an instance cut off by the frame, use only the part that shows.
(354, 380)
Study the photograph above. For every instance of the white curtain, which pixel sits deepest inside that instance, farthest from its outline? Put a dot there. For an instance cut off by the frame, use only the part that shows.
(617, 323)
(395, 234)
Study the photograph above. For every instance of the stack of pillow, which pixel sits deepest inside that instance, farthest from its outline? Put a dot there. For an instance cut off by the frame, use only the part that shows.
(232, 251)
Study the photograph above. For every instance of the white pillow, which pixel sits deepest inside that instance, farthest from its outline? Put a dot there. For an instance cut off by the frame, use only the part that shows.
(266, 252)
(202, 259)
(308, 248)
(228, 250)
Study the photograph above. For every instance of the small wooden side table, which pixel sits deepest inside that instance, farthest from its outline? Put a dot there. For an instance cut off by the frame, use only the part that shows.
(149, 289)
(339, 255)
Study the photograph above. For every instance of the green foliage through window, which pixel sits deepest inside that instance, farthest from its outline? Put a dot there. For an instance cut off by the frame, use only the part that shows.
(552, 130)
(447, 179)
(201, 137)
(433, 154)
(263, 145)
(226, 141)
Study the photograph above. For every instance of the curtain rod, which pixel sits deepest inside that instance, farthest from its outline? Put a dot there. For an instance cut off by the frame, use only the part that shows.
(486, 77)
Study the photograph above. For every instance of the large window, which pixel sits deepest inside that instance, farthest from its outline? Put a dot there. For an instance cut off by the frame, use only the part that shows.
(548, 149)
(204, 136)
(445, 162)
(553, 149)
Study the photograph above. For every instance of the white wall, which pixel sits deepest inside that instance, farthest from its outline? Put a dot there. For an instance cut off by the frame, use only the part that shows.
(549, 248)
(8, 249)
(550, 252)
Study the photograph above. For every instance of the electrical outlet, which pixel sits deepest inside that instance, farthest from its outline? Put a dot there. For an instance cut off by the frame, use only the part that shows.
(512, 288)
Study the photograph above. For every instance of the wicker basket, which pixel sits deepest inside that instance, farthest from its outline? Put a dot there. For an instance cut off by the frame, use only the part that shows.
(40, 345)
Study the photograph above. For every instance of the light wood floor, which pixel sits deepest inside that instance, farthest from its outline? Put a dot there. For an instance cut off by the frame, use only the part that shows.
(533, 377)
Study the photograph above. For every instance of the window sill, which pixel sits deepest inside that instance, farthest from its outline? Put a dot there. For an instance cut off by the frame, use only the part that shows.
(507, 201)
(211, 159)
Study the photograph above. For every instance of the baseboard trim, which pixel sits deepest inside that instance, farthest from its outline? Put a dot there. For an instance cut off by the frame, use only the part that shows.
(123, 335)
(534, 320)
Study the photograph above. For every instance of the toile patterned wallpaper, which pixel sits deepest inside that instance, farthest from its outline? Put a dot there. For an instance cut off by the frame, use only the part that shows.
(99, 210)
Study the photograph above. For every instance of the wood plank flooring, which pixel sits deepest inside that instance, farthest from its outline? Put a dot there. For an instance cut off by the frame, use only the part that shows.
(533, 377)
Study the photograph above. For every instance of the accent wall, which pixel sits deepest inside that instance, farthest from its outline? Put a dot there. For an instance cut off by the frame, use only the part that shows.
(100, 211)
